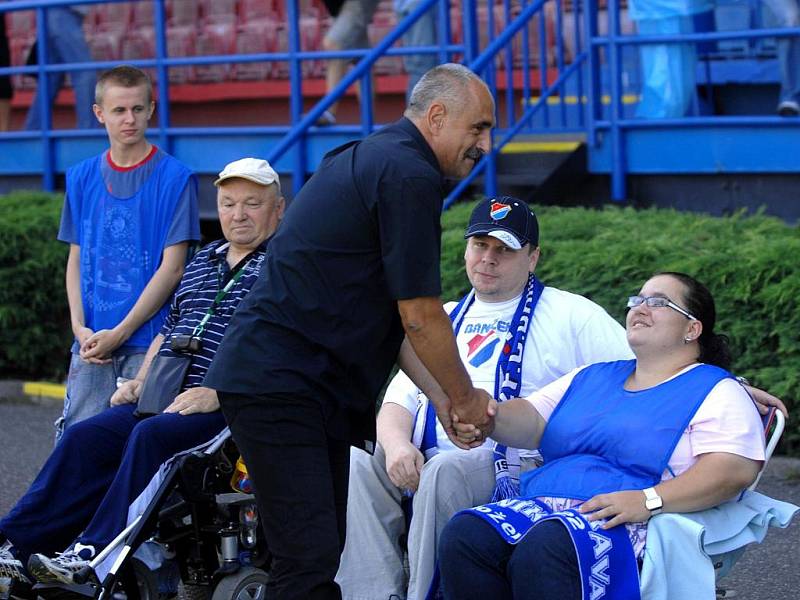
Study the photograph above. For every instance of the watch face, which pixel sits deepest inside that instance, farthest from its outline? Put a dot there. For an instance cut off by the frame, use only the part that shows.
(653, 503)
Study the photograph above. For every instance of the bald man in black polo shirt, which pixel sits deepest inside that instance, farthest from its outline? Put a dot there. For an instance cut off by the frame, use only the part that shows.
(353, 269)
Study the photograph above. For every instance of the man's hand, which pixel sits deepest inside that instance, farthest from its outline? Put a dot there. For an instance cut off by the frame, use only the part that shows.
(468, 435)
(194, 400)
(475, 411)
(82, 333)
(764, 400)
(102, 343)
(404, 464)
(127, 393)
(617, 507)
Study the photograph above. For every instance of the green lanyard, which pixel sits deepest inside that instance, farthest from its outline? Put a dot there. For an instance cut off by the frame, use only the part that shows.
(217, 299)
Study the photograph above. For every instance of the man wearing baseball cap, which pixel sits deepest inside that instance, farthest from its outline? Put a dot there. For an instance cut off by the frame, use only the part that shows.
(123, 446)
(514, 335)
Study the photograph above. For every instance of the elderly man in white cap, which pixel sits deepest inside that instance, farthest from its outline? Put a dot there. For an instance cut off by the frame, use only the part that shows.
(164, 410)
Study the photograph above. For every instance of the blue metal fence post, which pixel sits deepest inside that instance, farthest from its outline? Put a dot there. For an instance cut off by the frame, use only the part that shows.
(296, 96)
(576, 28)
(443, 29)
(367, 105)
(617, 134)
(508, 58)
(43, 91)
(594, 93)
(162, 75)
(469, 17)
(543, 67)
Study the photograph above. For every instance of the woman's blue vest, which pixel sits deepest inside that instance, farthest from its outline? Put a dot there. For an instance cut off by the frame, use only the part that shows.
(122, 241)
(602, 438)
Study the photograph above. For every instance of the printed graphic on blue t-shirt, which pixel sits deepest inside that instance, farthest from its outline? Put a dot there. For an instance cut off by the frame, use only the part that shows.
(119, 265)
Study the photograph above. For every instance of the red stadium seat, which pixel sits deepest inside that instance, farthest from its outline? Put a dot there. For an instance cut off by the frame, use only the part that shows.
(257, 10)
(106, 45)
(180, 42)
(256, 36)
(215, 38)
(218, 8)
(183, 12)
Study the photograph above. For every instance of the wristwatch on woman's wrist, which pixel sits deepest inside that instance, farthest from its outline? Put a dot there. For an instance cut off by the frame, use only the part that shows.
(653, 501)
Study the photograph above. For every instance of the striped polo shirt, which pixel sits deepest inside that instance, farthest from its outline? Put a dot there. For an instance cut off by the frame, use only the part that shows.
(203, 278)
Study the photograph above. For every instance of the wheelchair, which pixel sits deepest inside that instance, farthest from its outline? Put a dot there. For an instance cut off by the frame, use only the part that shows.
(206, 534)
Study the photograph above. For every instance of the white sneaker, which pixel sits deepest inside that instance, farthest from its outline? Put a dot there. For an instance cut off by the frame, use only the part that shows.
(62, 568)
(789, 108)
(10, 565)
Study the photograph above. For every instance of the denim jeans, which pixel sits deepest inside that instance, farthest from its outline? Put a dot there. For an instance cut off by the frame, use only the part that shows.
(787, 13)
(90, 387)
(421, 33)
(66, 44)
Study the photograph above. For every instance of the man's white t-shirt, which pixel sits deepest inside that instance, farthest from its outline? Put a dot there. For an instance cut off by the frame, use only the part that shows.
(567, 331)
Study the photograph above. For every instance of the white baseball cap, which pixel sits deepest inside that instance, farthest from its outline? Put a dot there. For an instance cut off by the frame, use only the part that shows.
(256, 170)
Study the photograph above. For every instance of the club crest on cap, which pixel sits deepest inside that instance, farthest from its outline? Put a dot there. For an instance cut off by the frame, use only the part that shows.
(499, 210)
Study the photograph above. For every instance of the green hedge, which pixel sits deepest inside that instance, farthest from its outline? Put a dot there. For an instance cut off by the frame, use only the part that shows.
(34, 316)
(750, 264)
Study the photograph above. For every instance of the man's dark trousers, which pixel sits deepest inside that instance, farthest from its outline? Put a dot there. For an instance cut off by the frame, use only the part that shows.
(302, 477)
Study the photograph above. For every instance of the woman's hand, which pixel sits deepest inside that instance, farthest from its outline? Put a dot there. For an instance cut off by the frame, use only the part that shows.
(617, 507)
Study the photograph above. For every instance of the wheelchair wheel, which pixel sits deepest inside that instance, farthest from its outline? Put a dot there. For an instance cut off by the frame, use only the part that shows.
(247, 583)
(136, 582)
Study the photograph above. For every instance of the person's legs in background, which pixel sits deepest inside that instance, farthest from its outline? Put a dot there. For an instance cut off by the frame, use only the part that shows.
(668, 70)
(66, 44)
(421, 33)
(348, 32)
(787, 12)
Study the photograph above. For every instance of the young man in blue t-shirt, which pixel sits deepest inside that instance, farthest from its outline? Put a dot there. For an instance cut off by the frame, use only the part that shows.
(129, 217)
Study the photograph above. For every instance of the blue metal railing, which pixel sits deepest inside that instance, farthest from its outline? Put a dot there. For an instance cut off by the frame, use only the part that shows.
(542, 65)
(295, 132)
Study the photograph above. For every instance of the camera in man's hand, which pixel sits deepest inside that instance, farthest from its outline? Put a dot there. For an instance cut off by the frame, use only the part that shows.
(185, 343)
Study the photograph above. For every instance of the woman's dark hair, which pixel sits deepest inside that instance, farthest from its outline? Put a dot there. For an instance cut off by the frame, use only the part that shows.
(714, 349)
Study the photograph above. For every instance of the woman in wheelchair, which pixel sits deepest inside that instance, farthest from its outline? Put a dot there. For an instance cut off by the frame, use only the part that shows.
(670, 431)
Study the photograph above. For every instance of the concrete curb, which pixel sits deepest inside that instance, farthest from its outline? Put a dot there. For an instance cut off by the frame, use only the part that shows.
(35, 392)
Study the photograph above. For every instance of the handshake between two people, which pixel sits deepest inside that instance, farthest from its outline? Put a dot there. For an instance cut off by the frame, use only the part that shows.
(471, 422)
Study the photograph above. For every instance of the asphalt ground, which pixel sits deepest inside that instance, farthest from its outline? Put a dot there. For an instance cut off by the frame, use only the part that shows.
(768, 571)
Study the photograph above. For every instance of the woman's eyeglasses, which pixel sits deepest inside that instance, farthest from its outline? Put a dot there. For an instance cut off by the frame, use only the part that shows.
(659, 302)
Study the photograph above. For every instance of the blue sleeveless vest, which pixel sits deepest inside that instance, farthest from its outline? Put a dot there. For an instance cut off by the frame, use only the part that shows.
(122, 240)
(602, 438)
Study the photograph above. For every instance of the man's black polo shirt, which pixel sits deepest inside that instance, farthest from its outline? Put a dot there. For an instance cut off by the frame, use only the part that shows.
(322, 320)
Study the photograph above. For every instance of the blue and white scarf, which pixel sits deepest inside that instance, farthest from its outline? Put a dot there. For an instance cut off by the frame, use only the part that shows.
(508, 383)
(606, 562)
